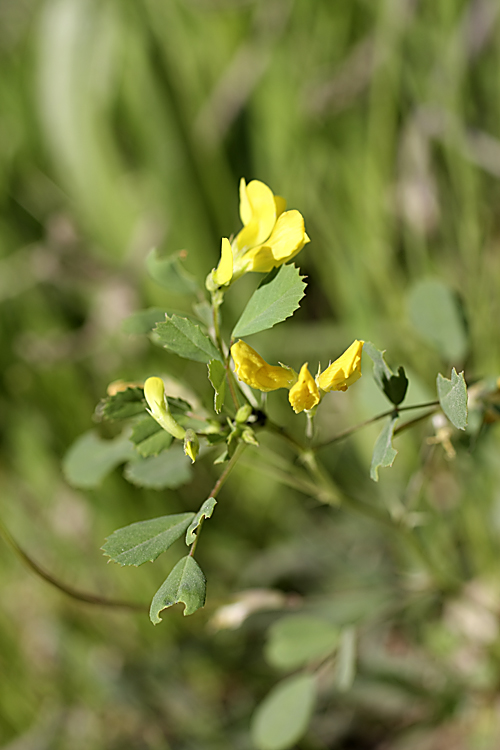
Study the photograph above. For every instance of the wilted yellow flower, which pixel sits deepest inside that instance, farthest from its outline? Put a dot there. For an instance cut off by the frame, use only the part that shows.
(304, 394)
(344, 371)
(255, 372)
(270, 236)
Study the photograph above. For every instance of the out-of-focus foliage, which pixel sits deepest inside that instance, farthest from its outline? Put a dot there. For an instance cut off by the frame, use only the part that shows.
(126, 125)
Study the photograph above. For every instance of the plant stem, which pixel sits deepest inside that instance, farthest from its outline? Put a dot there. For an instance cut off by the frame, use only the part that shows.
(217, 487)
(81, 596)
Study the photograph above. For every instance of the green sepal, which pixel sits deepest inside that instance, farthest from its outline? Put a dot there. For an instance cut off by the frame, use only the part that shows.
(272, 302)
(186, 339)
(217, 377)
(383, 452)
(205, 511)
(452, 396)
(393, 385)
(186, 583)
(144, 541)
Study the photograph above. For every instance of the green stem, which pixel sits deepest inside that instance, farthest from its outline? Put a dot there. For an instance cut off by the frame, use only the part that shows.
(81, 596)
(395, 410)
(217, 487)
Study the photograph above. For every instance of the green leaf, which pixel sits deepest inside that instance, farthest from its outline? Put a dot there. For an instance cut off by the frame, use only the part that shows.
(143, 321)
(217, 377)
(346, 659)
(436, 313)
(394, 386)
(297, 640)
(145, 541)
(284, 715)
(205, 511)
(149, 438)
(122, 405)
(452, 396)
(383, 453)
(91, 458)
(186, 583)
(170, 274)
(170, 469)
(271, 303)
(181, 336)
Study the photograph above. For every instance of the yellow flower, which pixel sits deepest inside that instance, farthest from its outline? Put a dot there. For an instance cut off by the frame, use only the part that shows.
(154, 393)
(255, 372)
(304, 394)
(270, 236)
(344, 371)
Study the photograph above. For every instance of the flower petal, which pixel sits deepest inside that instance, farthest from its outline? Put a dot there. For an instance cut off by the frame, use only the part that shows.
(255, 372)
(258, 214)
(344, 371)
(224, 271)
(304, 394)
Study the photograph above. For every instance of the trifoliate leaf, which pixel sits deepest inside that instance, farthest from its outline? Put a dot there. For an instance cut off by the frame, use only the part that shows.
(394, 386)
(143, 321)
(297, 640)
(170, 274)
(144, 541)
(452, 396)
(170, 469)
(383, 453)
(436, 313)
(271, 303)
(186, 583)
(182, 337)
(149, 438)
(284, 715)
(217, 377)
(91, 458)
(205, 511)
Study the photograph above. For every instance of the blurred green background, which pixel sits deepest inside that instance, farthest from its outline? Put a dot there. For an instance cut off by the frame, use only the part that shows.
(127, 124)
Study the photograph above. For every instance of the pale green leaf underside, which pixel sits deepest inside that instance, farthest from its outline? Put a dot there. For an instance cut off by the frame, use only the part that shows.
(452, 396)
(144, 541)
(186, 583)
(383, 452)
(346, 659)
(170, 469)
(217, 377)
(205, 511)
(143, 321)
(297, 640)
(284, 715)
(91, 458)
(271, 303)
(183, 337)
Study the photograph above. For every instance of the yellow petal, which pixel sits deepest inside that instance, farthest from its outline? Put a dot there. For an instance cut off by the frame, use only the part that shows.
(258, 214)
(287, 239)
(224, 271)
(255, 372)
(280, 204)
(344, 371)
(304, 394)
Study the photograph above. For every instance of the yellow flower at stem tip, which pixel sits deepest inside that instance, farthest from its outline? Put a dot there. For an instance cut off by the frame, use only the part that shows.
(255, 372)
(304, 395)
(270, 236)
(344, 371)
(154, 393)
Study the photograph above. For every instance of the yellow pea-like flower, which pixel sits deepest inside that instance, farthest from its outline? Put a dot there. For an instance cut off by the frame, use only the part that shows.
(304, 395)
(256, 372)
(154, 393)
(270, 236)
(344, 371)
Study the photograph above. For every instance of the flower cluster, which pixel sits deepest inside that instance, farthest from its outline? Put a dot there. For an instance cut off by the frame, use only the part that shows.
(270, 236)
(305, 392)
